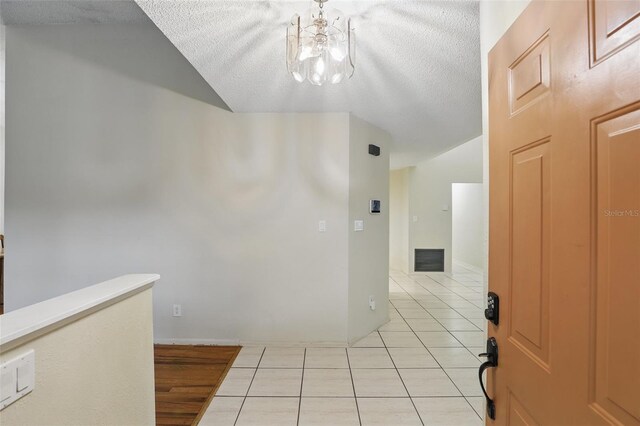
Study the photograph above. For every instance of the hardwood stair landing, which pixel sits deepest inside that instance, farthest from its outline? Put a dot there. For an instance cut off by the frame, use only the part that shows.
(187, 378)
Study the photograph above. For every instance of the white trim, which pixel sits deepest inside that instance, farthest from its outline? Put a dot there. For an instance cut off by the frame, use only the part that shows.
(23, 325)
(467, 266)
(238, 342)
(206, 342)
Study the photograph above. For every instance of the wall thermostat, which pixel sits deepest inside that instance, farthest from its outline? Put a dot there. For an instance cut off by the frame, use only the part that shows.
(374, 206)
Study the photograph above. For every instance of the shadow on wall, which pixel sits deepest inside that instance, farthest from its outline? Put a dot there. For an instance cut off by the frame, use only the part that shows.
(143, 59)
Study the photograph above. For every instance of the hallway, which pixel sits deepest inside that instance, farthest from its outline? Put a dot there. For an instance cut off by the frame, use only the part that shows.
(419, 368)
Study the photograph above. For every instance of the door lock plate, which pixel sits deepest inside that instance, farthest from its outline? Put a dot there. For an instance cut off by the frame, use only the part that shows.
(492, 313)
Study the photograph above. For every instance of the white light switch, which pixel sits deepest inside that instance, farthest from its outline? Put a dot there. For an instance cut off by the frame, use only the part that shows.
(415, 218)
(8, 388)
(25, 376)
(322, 226)
(445, 207)
(358, 225)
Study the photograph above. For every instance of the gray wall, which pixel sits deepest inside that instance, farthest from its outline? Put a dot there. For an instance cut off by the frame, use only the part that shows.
(399, 220)
(368, 249)
(2, 122)
(496, 16)
(467, 220)
(430, 192)
(120, 159)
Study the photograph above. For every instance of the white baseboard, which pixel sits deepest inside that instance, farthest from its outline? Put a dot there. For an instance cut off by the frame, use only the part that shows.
(467, 266)
(238, 342)
(293, 344)
(207, 342)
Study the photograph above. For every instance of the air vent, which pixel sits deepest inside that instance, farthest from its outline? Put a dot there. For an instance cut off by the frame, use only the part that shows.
(429, 260)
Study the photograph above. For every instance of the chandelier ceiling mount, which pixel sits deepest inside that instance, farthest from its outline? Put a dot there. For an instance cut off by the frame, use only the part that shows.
(321, 46)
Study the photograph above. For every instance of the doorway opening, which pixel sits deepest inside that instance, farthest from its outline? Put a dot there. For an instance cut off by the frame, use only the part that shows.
(466, 226)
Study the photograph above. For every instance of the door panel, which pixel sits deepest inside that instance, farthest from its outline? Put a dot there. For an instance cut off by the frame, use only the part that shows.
(530, 211)
(614, 25)
(617, 179)
(564, 150)
(529, 76)
(518, 415)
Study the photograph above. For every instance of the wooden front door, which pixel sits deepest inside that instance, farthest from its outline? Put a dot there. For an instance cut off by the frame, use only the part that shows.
(564, 255)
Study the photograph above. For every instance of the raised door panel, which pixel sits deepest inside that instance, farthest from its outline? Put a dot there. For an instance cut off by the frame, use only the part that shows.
(530, 228)
(530, 75)
(518, 414)
(614, 24)
(616, 353)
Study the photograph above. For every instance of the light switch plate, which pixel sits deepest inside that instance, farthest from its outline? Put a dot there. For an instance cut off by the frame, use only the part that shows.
(8, 386)
(18, 378)
(322, 226)
(358, 225)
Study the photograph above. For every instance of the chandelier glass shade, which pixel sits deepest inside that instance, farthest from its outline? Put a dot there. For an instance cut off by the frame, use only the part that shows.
(321, 46)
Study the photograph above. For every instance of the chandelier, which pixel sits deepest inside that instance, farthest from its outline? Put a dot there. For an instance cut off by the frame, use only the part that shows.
(321, 46)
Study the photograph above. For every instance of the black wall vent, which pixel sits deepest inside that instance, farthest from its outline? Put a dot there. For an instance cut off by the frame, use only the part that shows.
(429, 260)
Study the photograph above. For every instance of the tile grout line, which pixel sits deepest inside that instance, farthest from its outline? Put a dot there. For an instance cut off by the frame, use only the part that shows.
(474, 410)
(425, 309)
(401, 380)
(451, 307)
(304, 361)
(442, 285)
(353, 385)
(250, 383)
(435, 359)
(425, 346)
(437, 320)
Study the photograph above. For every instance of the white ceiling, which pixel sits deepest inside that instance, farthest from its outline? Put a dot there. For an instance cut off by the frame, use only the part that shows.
(417, 69)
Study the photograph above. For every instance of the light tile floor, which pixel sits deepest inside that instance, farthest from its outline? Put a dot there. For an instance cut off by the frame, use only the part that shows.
(418, 369)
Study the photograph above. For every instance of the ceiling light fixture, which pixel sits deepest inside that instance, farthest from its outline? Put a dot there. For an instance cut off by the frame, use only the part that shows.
(321, 46)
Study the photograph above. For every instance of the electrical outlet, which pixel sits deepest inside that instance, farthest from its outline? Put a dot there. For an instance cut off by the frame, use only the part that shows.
(372, 303)
(177, 310)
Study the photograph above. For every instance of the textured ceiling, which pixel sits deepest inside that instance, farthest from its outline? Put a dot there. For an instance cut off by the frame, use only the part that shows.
(417, 67)
(417, 72)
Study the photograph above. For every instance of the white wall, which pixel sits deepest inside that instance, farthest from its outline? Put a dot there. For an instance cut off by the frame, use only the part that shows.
(121, 159)
(399, 220)
(89, 377)
(496, 16)
(430, 192)
(368, 249)
(467, 225)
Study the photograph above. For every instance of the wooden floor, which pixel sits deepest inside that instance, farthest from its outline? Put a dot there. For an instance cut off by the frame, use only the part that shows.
(186, 380)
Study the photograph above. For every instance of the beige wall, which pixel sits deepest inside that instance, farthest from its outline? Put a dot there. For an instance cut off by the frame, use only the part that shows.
(97, 370)
(399, 220)
(122, 159)
(368, 249)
